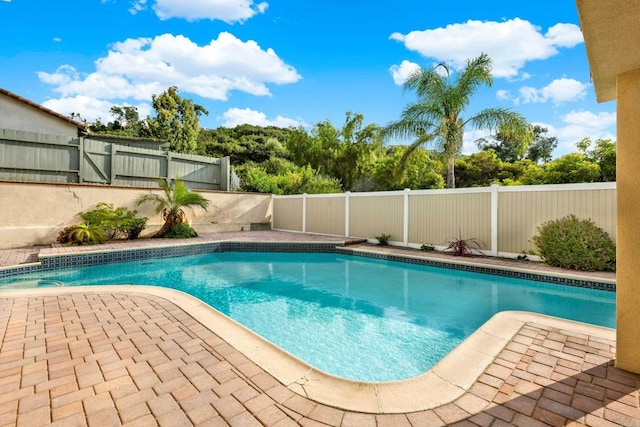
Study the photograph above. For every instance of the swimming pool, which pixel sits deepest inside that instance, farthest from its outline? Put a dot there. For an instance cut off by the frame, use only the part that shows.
(350, 316)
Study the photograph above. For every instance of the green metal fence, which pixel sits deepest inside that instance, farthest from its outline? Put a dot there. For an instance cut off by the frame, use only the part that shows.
(36, 157)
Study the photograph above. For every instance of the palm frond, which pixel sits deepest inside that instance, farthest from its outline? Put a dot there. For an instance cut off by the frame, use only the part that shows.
(406, 129)
(174, 198)
(502, 119)
(436, 115)
(152, 198)
(476, 73)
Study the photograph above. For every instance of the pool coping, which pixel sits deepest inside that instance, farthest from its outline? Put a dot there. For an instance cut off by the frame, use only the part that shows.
(448, 380)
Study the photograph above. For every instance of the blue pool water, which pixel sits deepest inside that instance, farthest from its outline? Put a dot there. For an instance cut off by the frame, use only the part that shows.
(350, 316)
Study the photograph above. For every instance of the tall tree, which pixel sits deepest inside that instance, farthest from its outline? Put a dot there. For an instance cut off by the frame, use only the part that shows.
(510, 149)
(177, 120)
(348, 153)
(603, 154)
(436, 116)
(542, 145)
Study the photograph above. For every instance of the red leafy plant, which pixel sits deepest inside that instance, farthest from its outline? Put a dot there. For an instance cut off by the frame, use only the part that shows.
(463, 247)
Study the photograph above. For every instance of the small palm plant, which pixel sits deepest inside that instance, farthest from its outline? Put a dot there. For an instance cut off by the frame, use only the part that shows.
(83, 233)
(172, 202)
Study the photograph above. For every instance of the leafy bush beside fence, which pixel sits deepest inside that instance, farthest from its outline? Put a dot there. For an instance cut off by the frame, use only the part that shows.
(576, 244)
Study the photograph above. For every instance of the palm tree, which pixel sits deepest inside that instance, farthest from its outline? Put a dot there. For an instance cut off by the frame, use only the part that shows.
(436, 115)
(171, 204)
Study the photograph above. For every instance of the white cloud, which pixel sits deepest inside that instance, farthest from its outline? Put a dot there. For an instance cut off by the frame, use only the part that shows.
(64, 74)
(401, 72)
(90, 108)
(469, 138)
(138, 6)
(590, 120)
(510, 43)
(564, 35)
(239, 116)
(138, 68)
(582, 124)
(57, 39)
(558, 91)
(503, 95)
(520, 77)
(229, 11)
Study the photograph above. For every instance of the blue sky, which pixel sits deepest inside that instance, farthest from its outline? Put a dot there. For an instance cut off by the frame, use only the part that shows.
(283, 62)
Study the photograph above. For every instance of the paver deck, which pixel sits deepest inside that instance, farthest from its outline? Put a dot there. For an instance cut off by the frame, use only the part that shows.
(108, 357)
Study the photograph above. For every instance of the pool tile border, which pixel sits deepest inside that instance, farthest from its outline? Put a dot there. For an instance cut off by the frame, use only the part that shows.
(92, 258)
(82, 258)
(603, 285)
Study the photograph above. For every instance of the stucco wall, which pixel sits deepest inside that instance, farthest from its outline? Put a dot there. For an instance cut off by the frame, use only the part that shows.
(628, 251)
(20, 116)
(33, 214)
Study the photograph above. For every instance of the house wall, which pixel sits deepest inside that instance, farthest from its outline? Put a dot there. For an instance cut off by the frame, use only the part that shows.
(33, 214)
(628, 250)
(17, 115)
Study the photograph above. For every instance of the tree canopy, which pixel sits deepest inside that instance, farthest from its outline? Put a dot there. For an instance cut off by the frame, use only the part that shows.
(177, 120)
(352, 157)
(512, 148)
(347, 154)
(437, 115)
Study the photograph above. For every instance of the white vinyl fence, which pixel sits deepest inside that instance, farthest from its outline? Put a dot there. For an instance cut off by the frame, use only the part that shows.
(503, 218)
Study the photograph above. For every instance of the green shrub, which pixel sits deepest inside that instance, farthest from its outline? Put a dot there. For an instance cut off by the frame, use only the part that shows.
(83, 233)
(181, 231)
(115, 221)
(132, 227)
(576, 244)
(427, 248)
(383, 239)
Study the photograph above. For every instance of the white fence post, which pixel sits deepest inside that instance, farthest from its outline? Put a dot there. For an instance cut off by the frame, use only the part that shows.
(405, 220)
(304, 212)
(346, 213)
(494, 219)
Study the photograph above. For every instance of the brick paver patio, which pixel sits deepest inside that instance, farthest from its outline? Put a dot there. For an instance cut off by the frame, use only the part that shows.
(116, 358)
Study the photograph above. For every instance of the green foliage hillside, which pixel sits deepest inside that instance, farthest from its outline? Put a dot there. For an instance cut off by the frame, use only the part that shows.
(353, 156)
